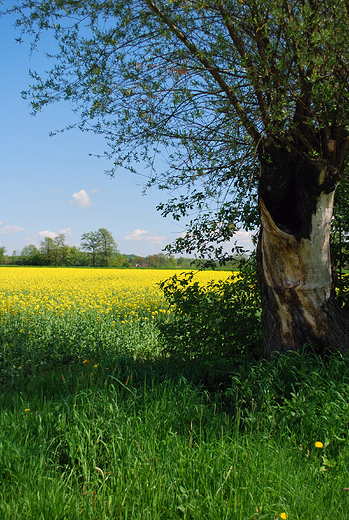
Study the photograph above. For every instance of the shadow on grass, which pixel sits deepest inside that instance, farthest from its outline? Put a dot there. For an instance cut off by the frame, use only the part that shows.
(290, 393)
(175, 439)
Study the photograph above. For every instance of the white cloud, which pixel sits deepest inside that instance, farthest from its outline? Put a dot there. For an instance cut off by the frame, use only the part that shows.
(243, 239)
(142, 234)
(50, 234)
(66, 231)
(10, 229)
(81, 199)
(95, 191)
(137, 234)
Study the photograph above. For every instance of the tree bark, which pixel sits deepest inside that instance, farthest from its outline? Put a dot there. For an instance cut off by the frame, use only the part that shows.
(294, 261)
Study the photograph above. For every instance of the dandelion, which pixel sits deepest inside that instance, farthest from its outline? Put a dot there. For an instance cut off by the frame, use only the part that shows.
(95, 366)
(86, 361)
(319, 444)
(283, 516)
(27, 410)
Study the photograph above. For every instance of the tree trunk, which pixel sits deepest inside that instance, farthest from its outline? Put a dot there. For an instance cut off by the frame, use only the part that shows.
(294, 261)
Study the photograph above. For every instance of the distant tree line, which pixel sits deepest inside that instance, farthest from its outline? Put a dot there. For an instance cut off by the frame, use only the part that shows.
(159, 260)
(97, 249)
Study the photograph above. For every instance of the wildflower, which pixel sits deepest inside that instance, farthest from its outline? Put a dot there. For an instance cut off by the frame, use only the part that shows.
(27, 410)
(86, 361)
(283, 516)
(319, 444)
(95, 366)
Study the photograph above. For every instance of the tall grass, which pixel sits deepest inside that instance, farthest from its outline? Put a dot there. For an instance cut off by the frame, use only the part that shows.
(138, 440)
(98, 422)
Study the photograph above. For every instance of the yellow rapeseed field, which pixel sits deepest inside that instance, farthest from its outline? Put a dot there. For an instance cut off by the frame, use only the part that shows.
(64, 313)
(127, 293)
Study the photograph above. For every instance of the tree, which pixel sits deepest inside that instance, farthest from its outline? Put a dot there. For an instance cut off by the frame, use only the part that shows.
(54, 251)
(90, 242)
(14, 258)
(108, 247)
(137, 260)
(119, 260)
(249, 102)
(30, 255)
(100, 245)
(48, 251)
(161, 260)
(2, 255)
(77, 257)
(62, 250)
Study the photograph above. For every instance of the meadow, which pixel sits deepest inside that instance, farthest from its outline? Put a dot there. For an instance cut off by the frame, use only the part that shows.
(99, 421)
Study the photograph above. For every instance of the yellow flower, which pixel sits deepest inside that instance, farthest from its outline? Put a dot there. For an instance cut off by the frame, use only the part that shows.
(283, 516)
(27, 410)
(86, 361)
(319, 444)
(95, 366)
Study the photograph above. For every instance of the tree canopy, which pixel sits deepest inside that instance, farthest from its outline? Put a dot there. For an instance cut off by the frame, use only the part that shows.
(244, 100)
(100, 245)
(202, 85)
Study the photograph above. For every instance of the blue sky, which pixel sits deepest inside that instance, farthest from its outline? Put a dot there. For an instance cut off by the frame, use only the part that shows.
(51, 185)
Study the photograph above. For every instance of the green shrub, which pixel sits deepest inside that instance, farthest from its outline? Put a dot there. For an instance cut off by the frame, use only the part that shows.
(221, 319)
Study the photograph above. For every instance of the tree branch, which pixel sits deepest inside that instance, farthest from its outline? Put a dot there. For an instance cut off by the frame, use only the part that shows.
(250, 128)
(249, 65)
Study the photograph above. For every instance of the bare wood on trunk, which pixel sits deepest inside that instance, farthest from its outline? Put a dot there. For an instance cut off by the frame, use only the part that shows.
(297, 287)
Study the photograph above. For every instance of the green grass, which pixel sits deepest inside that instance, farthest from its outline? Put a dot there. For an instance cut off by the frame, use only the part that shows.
(96, 422)
(159, 439)
(31, 344)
